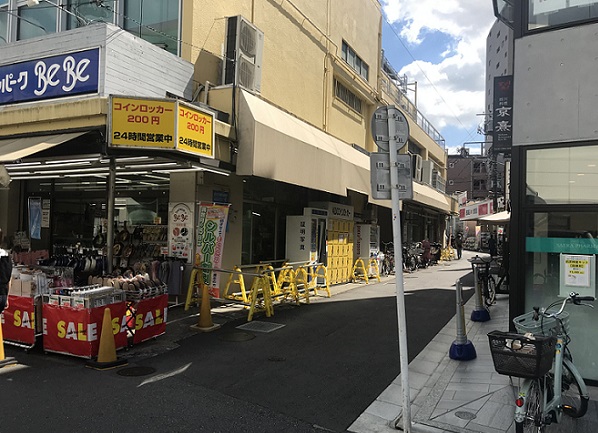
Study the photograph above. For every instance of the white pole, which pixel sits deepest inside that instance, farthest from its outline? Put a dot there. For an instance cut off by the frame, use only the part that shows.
(400, 290)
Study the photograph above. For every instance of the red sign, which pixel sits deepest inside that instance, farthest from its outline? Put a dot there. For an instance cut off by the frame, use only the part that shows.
(77, 331)
(19, 320)
(150, 318)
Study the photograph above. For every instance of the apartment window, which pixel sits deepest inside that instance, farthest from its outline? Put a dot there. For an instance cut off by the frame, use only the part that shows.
(156, 22)
(355, 61)
(37, 20)
(479, 185)
(89, 12)
(348, 97)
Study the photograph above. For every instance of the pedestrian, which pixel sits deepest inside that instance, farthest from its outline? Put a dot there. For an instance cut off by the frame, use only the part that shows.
(5, 273)
(459, 245)
(492, 246)
(426, 256)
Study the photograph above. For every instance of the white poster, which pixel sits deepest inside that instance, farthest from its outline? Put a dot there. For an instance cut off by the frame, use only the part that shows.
(577, 274)
(180, 229)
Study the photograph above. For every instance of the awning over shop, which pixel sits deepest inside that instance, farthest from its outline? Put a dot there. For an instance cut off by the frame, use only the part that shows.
(12, 149)
(497, 218)
(431, 197)
(276, 145)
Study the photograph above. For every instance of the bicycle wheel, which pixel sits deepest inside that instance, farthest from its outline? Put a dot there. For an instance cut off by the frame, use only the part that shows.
(573, 403)
(490, 295)
(533, 421)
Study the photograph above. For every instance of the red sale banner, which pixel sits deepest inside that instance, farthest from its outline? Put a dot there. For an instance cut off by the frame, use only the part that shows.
(77, 332)
(19, 320)
(150, 318)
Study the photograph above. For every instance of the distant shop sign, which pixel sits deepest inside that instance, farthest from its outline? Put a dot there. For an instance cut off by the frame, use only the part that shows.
(502, 115)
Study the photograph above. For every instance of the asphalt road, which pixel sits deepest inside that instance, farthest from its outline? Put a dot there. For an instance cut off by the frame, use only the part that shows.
(318, 372)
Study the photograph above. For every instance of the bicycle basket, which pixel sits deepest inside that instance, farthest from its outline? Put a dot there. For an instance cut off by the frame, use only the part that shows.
(519, 356)
(543, 326)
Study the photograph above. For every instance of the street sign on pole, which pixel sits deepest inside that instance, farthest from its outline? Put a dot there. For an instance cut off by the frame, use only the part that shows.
(381, 120)
(391, 134)
(380, 176)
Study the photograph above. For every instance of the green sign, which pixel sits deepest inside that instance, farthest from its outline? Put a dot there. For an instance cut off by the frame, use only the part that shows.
(562, 245)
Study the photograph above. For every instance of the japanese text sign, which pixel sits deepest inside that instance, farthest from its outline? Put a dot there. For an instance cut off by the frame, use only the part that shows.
(195, 131)
(142, 123)
(50, 77)
(502, 115)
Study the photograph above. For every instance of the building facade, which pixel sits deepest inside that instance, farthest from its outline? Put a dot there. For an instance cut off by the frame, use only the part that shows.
(554, 171)
(290, 88)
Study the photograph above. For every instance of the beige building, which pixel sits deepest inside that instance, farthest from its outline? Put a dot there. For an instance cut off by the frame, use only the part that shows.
(290, 88)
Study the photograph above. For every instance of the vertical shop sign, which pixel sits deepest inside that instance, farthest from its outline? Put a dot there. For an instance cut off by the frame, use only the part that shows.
(211, 230)
(180, 229)
(35, 217)
(45, 213)
(502, 116)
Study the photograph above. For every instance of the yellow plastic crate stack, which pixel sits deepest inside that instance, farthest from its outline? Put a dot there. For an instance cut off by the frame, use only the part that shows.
(340, 250)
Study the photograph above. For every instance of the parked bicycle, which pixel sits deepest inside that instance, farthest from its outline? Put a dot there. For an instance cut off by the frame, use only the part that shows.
(485, 279)
(387, 266)
(539, 353)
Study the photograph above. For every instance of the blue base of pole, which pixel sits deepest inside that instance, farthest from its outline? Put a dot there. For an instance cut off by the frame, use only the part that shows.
(480, 315)
(462, 352)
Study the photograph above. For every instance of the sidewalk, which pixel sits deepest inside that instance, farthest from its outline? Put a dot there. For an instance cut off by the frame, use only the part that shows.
(460, 396)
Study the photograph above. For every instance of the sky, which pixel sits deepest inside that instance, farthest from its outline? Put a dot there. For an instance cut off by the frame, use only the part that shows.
(441, 45)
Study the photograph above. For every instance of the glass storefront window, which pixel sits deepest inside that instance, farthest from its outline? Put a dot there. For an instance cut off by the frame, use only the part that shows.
(89, 12)
(156, 22)
(36, 21)
(543, 14)
(564, 175)
(561, 250)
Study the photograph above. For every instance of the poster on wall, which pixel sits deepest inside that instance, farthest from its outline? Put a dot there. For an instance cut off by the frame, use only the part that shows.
(35, 217)
(180, 231)
(211, 230)
(577, 274)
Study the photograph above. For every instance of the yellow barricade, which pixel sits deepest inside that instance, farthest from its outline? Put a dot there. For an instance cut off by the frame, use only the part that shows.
(359, 271)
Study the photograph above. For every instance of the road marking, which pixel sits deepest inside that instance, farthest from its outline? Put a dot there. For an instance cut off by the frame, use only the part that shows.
(162, 376)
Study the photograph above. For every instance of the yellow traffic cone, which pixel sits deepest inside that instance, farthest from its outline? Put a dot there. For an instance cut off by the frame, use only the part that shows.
(107, 351)
(4, 361)
(205, 313)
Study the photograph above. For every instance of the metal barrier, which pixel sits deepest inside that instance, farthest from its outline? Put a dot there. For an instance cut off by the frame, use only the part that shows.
(361, 272)
(294, 284)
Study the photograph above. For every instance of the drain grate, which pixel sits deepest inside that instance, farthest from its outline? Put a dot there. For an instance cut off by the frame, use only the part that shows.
(136, 371)
(257, 326)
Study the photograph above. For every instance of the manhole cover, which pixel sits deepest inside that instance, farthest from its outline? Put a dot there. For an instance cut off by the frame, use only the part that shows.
(136, 371)
(257, 326)
(465, 415)
(237, 336)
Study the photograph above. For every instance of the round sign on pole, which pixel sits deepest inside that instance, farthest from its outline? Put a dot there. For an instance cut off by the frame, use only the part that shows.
(379, 126)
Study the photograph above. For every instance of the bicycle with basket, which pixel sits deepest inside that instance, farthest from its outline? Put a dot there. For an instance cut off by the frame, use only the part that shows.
(538, 354)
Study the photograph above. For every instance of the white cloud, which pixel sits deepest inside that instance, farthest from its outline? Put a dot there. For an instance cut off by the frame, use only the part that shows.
(452, 91)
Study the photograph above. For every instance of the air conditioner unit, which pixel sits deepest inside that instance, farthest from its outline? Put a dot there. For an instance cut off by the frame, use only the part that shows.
(427, 168)
(243, 54)
(417, 167)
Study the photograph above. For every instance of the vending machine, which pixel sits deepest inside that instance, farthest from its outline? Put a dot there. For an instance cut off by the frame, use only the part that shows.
(367, 241)
(306, 236)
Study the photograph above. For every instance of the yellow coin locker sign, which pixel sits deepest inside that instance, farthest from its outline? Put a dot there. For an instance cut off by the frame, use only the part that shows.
(148, 123)
(195, 131)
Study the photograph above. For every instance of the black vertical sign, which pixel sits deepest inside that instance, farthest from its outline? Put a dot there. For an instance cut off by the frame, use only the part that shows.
(502, 116)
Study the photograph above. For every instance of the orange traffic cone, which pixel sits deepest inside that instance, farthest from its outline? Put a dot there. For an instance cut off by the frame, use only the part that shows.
(107, 352)
(205, 313)
(4, 361)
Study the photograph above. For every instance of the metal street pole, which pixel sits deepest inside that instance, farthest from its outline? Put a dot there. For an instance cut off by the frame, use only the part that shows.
(398, 250)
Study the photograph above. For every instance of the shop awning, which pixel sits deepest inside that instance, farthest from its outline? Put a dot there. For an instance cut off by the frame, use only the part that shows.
(497, 218)
(431, 197)
(12, 149)
(276, 145)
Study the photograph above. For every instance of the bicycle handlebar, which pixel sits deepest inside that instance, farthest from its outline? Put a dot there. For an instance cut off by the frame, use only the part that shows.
(573, 297)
